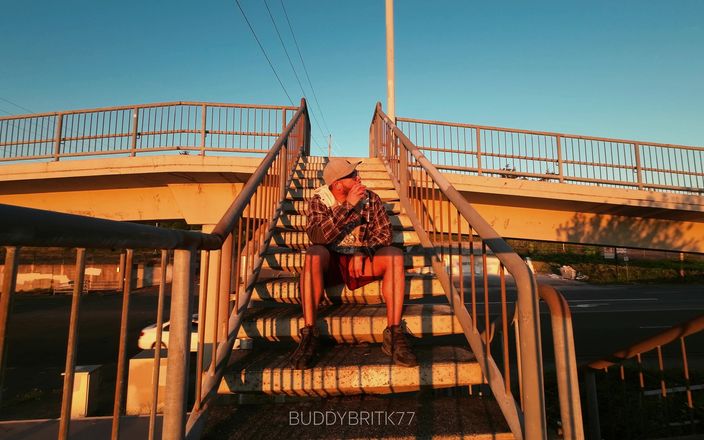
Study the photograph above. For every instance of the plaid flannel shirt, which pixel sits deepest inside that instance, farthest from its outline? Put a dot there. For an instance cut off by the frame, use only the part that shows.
(328, 226)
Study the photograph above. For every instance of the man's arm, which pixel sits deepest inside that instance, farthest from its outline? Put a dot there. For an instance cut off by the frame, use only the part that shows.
(325, 224)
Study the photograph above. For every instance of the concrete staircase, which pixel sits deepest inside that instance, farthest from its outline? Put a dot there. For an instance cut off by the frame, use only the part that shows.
(355, 320)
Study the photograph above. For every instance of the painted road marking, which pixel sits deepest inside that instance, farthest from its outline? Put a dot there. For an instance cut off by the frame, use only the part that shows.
(616, 299)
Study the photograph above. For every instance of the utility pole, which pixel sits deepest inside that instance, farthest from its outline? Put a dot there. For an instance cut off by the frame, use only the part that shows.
(390, 72)
(329, 145)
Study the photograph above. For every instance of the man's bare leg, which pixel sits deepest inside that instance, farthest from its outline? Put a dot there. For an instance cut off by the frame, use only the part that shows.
(387, 263)
(312, 281)
(311, 286)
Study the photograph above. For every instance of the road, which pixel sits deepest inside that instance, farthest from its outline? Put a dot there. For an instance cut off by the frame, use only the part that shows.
(608, 318)
(605, 318)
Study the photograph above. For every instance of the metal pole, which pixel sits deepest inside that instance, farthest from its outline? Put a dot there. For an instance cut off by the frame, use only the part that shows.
(9, 279)
(118, 403)
(203, 113)
(157, 347)
(593, 405)
(67, 397)
(390, 71)
(121, 270)
(57, 135)
(174, 426)
(135, 126)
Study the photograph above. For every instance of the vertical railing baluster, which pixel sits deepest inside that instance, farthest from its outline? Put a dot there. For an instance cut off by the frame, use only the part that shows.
(473, 279)
(687, 383)
(72, 345)
(216, 309)
(639, 169)
(202, 322)
(479, 152)
(238, 264)
(58, 135)
(203, 120)
(135, 124)
(121, 271)
(225, 285)
(156, 368)
(560, 164)
(118, 403)
(504, 330)
(9, 280)
(487, 318)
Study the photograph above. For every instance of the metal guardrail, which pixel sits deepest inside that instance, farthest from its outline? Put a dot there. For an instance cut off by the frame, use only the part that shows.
(242, 234)
(657, 413)
(448, 226)
(565, 363)
(557, 157)
(183, 127)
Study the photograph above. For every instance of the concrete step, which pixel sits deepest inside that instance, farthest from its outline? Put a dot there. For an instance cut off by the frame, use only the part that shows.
(320, 162)
(363, 167)
(347, 322)
(299, 239)
(298, 222)
(285, 290)
(372, 184)
(299, 207)
(324, 159)
(317, 175)
(292, 261)
(350, 370)
(307, 193)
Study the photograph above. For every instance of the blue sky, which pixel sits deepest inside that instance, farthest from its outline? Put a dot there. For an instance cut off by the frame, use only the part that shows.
(624, 69)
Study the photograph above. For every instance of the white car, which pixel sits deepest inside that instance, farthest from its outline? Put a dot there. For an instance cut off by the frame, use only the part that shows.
(147, 338)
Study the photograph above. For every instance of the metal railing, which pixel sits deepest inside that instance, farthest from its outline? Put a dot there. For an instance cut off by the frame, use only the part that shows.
(450, 229)
(183, 127)
(557, 157)
(242, 234)
(648, 389)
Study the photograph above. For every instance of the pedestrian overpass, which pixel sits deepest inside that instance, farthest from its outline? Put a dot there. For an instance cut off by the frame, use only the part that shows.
(454, 192)
(187, 161)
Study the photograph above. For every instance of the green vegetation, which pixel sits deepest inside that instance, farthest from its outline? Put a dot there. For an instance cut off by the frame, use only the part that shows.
(640, 266)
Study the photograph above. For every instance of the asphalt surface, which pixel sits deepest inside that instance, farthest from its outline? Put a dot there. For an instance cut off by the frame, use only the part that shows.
(612, 317)
(605, 318)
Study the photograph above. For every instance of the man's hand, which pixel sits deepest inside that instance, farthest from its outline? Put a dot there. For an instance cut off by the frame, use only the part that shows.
(356, 194)
(357, 264)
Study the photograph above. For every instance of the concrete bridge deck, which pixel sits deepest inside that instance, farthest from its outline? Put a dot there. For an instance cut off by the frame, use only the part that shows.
(198, 189)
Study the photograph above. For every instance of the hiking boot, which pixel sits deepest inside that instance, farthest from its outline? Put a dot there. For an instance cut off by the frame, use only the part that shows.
(396, 345)
(302, 357)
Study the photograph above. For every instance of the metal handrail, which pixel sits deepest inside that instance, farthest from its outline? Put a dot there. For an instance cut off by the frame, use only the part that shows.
(565, 362)
(246, 256)
(150, 105)
(636, 352)
(181, 126)
(529, 423)
(672, 334)
(241, 227)
(560, 157)
(21, 226)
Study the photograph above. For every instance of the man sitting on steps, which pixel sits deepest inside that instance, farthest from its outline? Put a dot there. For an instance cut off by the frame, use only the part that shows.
(351, 236)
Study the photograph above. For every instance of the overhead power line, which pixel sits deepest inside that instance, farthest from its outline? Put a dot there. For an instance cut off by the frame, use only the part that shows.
(16, 105)
(264, 52)
(273, 69)
(290, 62)
(298, 49)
